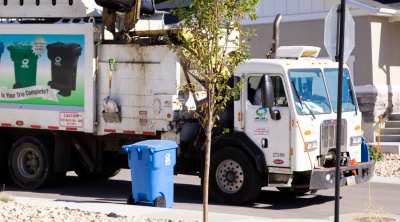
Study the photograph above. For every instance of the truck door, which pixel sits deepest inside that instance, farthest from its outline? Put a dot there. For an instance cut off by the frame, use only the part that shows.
(260, 127)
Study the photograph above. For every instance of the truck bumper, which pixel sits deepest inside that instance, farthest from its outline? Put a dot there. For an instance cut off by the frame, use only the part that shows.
(325, 178)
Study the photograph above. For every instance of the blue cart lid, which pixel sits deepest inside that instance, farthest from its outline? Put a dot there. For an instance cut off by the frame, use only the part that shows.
(156, 145)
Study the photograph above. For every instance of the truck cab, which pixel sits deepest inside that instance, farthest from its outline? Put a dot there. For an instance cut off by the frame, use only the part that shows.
(293, 140)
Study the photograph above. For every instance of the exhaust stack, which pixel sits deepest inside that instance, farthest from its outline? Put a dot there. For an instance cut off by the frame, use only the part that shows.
(275, 37)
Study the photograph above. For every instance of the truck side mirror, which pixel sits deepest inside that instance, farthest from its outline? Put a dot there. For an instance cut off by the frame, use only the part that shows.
(267, 96)
(267, 92)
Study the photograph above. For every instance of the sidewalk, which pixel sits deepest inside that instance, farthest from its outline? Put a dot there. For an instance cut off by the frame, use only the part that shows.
(391, 180)
(177, 214)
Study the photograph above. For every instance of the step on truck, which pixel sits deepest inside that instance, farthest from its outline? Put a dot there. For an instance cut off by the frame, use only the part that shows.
(78, 81)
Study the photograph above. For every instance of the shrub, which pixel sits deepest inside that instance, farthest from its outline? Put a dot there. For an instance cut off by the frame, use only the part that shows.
(4, 196)
(372, 153)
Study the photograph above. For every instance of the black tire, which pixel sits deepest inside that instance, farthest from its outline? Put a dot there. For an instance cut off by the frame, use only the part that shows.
(31, 163)
(4, 148)
(234, 179)
(85, 174)
(159, 202)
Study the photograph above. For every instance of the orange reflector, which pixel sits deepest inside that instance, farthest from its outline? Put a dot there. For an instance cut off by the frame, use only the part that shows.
(358, 127)
(353, 162)
(96, 29)
(313, 63)
(291, 151)
(169, 115)
(308, 132)
(20, 123)
(320, 63)
(292, 122)
(325, 63)
(239, 117)
(288, 64)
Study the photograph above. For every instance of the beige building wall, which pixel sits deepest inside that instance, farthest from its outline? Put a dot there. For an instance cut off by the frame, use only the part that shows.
(363, 73)
(312, 33)
(385, 51)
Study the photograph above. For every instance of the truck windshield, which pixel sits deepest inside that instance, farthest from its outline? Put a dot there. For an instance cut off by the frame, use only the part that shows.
(309, 91)
(348, 101)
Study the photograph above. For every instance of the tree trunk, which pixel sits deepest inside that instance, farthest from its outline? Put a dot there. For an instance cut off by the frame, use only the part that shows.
(206, 175)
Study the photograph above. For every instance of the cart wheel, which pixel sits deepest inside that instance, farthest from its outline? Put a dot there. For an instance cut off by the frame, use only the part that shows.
(159, 202)
(130, 200)
(17, 86)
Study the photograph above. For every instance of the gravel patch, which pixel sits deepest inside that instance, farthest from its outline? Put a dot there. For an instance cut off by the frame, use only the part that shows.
(18, 212)
(389, 166)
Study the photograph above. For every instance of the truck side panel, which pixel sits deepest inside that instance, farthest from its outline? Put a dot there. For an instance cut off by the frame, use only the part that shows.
(143, 84)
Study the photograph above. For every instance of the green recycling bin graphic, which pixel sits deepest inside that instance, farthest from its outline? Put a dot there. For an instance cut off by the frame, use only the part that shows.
(25, 64)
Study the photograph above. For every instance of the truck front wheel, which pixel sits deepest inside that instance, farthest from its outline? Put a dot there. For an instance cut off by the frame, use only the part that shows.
(234, 179)
(31, 163)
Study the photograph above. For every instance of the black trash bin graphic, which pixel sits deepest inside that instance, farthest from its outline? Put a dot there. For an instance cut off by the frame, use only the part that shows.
(64, 63)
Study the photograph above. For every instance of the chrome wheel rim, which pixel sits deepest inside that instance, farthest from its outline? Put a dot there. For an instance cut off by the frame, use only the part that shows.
(29, 163)
(230, 176)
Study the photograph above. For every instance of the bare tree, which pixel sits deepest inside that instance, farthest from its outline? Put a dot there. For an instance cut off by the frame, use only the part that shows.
(210, 31)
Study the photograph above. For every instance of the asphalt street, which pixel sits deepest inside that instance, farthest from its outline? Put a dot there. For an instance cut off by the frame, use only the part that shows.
(380, 196)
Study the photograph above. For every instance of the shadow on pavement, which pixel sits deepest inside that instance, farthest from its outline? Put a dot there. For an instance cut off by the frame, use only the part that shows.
(271, 199)
(115, 191)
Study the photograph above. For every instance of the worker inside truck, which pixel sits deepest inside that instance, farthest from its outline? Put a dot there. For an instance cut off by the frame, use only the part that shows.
(254, 95)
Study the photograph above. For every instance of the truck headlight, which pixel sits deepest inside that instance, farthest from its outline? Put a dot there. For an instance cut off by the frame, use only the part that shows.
(311, 146)
(355, 140)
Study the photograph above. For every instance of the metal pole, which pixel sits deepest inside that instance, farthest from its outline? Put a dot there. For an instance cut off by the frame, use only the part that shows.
(339, 108)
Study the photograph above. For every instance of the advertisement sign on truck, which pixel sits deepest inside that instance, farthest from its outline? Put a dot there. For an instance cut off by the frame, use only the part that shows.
(43, 69)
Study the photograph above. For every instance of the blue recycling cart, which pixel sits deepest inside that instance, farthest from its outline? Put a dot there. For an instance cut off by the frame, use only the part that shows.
(364, 151)
(152, 169)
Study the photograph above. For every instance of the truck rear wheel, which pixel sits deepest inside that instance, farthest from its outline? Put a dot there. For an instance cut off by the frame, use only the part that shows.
(234, 179)
(31, 163)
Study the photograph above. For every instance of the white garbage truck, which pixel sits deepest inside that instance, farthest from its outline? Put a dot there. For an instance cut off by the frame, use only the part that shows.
(73, 91)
